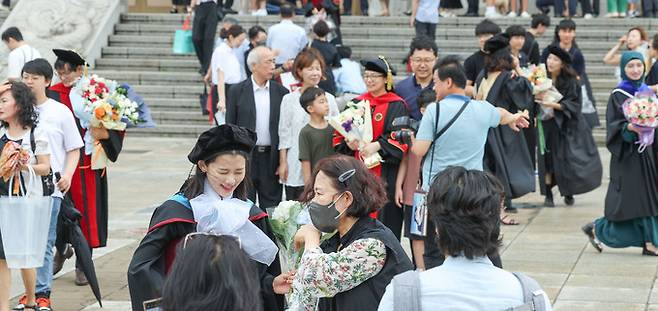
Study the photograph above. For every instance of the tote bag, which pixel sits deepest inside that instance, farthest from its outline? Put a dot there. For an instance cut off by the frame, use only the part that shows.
(25, 248)
(183, 39)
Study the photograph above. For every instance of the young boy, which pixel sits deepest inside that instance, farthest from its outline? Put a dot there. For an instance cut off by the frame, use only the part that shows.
(407, 184)
(314, 138)
(475, 63)
(65, 143)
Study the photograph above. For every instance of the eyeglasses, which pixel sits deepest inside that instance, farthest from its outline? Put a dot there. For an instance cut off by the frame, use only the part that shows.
(193, 234)
(423, 60)
(371, 76)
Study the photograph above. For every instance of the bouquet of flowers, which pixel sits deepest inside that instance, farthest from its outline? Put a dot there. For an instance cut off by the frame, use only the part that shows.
(12, 158)
(538, 77)
(355, 123)
(285, 223)
(642, 112)
(103, 103)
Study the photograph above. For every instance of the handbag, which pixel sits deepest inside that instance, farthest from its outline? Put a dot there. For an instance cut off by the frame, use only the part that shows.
(419, 208)
(203, 101)
(183, 39)
(25, 248)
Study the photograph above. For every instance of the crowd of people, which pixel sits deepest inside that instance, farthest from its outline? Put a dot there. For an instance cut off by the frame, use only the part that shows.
(455, 143)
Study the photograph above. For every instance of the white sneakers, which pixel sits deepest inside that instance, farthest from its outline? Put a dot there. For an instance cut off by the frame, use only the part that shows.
(261, 12)
(524, 14)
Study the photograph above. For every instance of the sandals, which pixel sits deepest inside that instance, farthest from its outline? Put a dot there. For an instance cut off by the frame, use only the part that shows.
(508, 220)
(588, 229)
(34, 307)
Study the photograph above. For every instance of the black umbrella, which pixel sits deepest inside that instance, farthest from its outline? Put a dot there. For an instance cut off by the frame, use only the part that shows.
(68, 231)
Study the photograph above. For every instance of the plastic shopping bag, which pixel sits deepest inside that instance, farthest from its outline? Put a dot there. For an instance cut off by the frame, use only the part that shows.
(183, 39)
(24, 224)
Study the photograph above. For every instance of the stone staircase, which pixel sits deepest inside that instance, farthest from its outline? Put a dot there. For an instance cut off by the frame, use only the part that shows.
(139, 53)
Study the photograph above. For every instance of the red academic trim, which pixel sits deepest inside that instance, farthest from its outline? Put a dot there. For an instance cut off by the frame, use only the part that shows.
(169, 221)
(258, 217)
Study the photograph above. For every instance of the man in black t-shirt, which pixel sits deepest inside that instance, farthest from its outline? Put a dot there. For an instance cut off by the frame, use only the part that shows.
(475, 63)
(652, 75)
(538, 27)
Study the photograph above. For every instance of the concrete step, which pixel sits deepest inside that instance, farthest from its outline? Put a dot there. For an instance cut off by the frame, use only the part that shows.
(169, 91)
(152, 77)
(170, 130)
(188, 116)
(148, 64)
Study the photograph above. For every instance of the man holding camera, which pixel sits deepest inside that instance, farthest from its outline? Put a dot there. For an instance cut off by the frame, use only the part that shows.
(458, 136)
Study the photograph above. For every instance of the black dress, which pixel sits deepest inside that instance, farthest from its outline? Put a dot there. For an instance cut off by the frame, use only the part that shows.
(571, 154)
(506, 153)
(153, 258)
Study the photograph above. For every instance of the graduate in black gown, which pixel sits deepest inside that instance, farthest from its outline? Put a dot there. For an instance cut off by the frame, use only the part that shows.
(506, 153)
(570, 159)
(631, 203)
(385, 107)
(213, 199)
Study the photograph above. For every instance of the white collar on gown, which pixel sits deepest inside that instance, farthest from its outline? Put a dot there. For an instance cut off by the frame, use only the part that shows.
(230, 216)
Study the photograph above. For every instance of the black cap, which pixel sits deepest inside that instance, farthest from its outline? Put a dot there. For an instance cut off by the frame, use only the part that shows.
(70, 56)
(378, 65)
(226, 137)
(563, 55)
(496, 43)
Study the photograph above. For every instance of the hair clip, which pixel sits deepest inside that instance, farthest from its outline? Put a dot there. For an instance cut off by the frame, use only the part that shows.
(347, 175)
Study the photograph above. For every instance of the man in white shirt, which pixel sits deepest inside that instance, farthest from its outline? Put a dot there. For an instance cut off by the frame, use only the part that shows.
(65, 143)
(460, 200)
(286, 37)
(20, 52)
(255, 104)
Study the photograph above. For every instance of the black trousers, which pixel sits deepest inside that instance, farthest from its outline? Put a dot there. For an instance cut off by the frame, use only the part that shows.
(586, 6)
(425, 29)
(473, 7)
(293, 193)
(6, 2)
(347, 5)
(392, 216)
(227, 4)
(204, 28)
(264, 162)
(433, 255)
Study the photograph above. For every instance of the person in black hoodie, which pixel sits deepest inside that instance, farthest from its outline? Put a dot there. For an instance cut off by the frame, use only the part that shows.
(350, 270)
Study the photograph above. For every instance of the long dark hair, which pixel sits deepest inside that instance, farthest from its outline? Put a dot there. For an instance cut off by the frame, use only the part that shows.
(465, 206)
(193, 186)
(211, 273)
(25, 101)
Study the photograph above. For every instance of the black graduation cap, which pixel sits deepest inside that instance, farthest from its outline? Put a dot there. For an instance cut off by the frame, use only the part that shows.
(70, 56)
(496, 43)
(381, 65)
(226, 137)
(563, 55)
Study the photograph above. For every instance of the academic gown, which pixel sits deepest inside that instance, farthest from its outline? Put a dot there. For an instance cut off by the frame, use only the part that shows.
(384, 109)
(633, 189)
(154, 256)
(89, 187)
(506, 153)
(572, 156)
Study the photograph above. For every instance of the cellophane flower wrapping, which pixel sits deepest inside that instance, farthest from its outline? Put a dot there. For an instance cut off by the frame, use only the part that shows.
(642, 111)
(107, 103)
(355, 123)
(284, 222)
(538, 76)
(12, 158)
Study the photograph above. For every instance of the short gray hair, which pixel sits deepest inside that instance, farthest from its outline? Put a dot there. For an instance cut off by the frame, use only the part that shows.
(254, 56)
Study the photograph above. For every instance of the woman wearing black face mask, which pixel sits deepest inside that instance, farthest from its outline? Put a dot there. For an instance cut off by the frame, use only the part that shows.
(349, 271)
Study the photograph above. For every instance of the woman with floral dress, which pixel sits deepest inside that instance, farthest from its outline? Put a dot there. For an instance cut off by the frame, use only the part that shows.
(350, 270)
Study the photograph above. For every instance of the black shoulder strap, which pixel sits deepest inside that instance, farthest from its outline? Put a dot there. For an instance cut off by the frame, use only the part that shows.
(33, 143)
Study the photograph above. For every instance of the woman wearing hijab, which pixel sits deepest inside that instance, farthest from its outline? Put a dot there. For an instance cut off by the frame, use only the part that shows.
(631, 204)
(218, 187)
(385, 107)
(569, 158)
(506, 154)
(350, 270)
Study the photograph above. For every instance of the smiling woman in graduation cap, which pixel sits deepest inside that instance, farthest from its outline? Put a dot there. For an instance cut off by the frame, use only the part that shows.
(213, 200)
(385, 107)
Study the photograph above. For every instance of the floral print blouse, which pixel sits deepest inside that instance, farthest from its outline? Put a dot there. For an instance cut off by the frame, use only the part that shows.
(325, 275)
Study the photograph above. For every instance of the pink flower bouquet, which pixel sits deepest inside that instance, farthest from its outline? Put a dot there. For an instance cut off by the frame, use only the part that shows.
(642, 112)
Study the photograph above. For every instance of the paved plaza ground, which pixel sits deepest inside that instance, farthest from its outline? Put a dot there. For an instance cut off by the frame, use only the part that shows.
(548, 245)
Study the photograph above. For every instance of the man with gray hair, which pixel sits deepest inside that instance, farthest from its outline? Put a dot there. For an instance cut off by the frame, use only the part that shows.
(254, 103)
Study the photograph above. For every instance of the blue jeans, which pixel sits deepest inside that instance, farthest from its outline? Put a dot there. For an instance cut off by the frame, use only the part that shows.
(45, 273)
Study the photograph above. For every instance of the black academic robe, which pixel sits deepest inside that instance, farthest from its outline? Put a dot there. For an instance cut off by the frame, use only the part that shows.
(572, 157)
(633, 189)
(391, 152)
(506, 153)
(154, 256)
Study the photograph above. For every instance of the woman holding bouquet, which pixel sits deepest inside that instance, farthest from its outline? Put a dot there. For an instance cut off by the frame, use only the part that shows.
(569, 158)
(385, 106)
(350, 270)
(308, 68)
(218, 187)
(18, 121)
(631, 204)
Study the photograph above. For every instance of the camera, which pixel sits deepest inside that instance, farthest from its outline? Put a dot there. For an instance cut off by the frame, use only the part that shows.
(403, 129)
